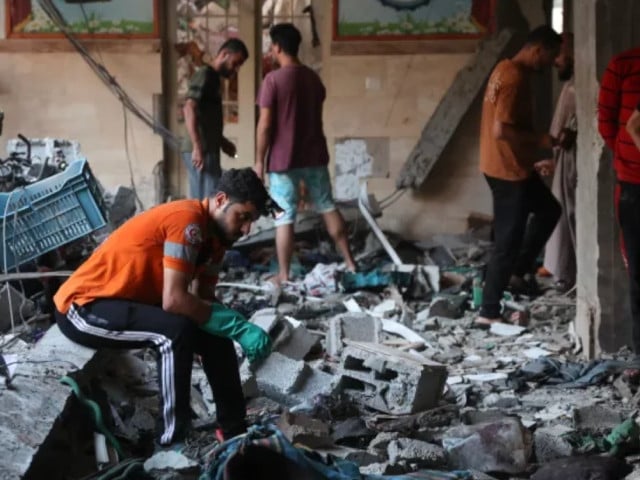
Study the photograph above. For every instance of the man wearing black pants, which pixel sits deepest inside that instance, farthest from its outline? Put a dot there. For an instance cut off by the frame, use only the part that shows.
(518, 239)
(627, 164)
(508, 158)
(136, 289)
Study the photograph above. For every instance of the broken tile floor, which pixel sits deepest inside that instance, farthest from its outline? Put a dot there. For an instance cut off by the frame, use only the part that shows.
(383, 370)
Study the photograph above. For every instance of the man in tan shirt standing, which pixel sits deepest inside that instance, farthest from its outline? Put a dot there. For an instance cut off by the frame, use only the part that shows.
(509, 149)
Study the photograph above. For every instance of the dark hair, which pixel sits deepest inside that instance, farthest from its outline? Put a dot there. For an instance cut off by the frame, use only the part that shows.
(287, 37)
(235, 45)
(243, 185)
(546, 37)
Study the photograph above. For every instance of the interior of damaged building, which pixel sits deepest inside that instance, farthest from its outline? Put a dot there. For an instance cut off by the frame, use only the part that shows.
(323, 239)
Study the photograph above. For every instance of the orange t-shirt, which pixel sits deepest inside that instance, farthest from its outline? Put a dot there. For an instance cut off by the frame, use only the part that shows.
(507, 99)
(130, 263)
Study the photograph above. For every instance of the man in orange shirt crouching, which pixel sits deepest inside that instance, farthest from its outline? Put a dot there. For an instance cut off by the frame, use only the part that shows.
(136, 289)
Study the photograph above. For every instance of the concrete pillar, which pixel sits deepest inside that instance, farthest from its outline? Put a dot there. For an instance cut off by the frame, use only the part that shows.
(602, 28)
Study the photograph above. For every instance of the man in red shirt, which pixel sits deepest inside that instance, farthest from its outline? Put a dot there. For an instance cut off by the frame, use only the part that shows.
(618, 98)
(135, 291)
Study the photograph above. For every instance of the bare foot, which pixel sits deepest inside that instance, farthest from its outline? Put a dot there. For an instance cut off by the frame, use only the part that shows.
(485, 322)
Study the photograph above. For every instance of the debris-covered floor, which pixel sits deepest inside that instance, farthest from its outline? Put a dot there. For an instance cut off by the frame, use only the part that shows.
(382, 369)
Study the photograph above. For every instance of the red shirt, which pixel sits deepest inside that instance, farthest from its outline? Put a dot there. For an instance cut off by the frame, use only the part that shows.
(619, 96)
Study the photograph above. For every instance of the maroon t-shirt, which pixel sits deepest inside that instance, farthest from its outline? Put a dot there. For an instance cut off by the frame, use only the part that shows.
(295, 95)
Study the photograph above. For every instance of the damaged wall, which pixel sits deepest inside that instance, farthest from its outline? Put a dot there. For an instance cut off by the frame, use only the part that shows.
(46, 90)
(393, 96)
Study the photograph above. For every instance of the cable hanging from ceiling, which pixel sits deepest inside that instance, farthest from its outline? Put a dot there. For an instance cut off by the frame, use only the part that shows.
(109, 80)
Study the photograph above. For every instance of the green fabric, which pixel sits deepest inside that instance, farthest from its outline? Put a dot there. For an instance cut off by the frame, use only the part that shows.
(226, 322)
(204, 88)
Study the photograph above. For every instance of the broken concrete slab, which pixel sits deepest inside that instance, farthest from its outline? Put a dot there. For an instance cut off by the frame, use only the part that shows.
(390, 380)
(278, 376)
(360, 327)
(302, 429)
(416, 452)
(501, 446)
(551, 443)
(292, 382)
(29, 410)
(597, 417)
(380, 443)
(300, 341)
(442, 124)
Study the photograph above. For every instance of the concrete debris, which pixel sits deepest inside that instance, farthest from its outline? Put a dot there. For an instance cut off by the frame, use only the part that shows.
(390, 380)
(416, 452)
(170, 460)
(551, 443)
(299, 342)
(359, 327)
(501, 446)
(506, 329)
(597, 417)
(389, 376)
(304, 430)
(292, 381)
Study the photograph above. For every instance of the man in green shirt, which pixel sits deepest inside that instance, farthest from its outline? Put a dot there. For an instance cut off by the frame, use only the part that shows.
(203, 119)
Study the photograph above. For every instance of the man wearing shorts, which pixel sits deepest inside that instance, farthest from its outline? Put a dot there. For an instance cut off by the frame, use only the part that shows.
(291, 142)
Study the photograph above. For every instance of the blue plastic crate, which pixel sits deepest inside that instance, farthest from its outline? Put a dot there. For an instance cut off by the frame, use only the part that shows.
(49, 214)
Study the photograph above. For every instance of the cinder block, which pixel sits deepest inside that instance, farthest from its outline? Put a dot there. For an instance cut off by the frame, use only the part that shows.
(390, 380)
(279, 376)
(359, 327)
(271, 322)
(300, 341)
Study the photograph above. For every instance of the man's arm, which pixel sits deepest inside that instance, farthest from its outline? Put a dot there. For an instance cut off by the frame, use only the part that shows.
(177, 299)
(633, 127)
(263, 139)
(191, 122)
(519, 138)
(609, 99)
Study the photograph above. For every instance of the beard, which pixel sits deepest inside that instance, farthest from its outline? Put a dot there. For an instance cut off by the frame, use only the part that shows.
(225, 72)
(565, 73)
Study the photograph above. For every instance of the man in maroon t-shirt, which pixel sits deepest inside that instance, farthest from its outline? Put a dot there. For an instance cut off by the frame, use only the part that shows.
(292, 146)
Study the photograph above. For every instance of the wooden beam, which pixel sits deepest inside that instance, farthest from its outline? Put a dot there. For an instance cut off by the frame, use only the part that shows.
(54, 45)
(403, 47)
(442, 125)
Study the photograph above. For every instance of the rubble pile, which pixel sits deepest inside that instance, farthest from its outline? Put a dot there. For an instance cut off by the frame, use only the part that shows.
(384, 369)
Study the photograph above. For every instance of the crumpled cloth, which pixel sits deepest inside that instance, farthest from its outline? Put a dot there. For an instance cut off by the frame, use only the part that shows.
(549, 371)
(305, 462)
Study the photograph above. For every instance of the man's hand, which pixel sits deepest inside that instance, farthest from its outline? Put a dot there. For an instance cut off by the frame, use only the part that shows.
(225, 322)
(547, 141)
(228, 147)
(567, 138)
(545, 167)
(258, 167)
(196, 157)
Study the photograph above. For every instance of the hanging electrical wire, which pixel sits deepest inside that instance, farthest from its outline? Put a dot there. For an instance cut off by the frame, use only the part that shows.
(391, 199)
(100, 70)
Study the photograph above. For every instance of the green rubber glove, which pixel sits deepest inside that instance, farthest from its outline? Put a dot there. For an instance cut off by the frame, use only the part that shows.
(226, 322)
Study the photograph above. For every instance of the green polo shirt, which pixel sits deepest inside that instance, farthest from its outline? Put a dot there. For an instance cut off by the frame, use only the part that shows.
(204, 88)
